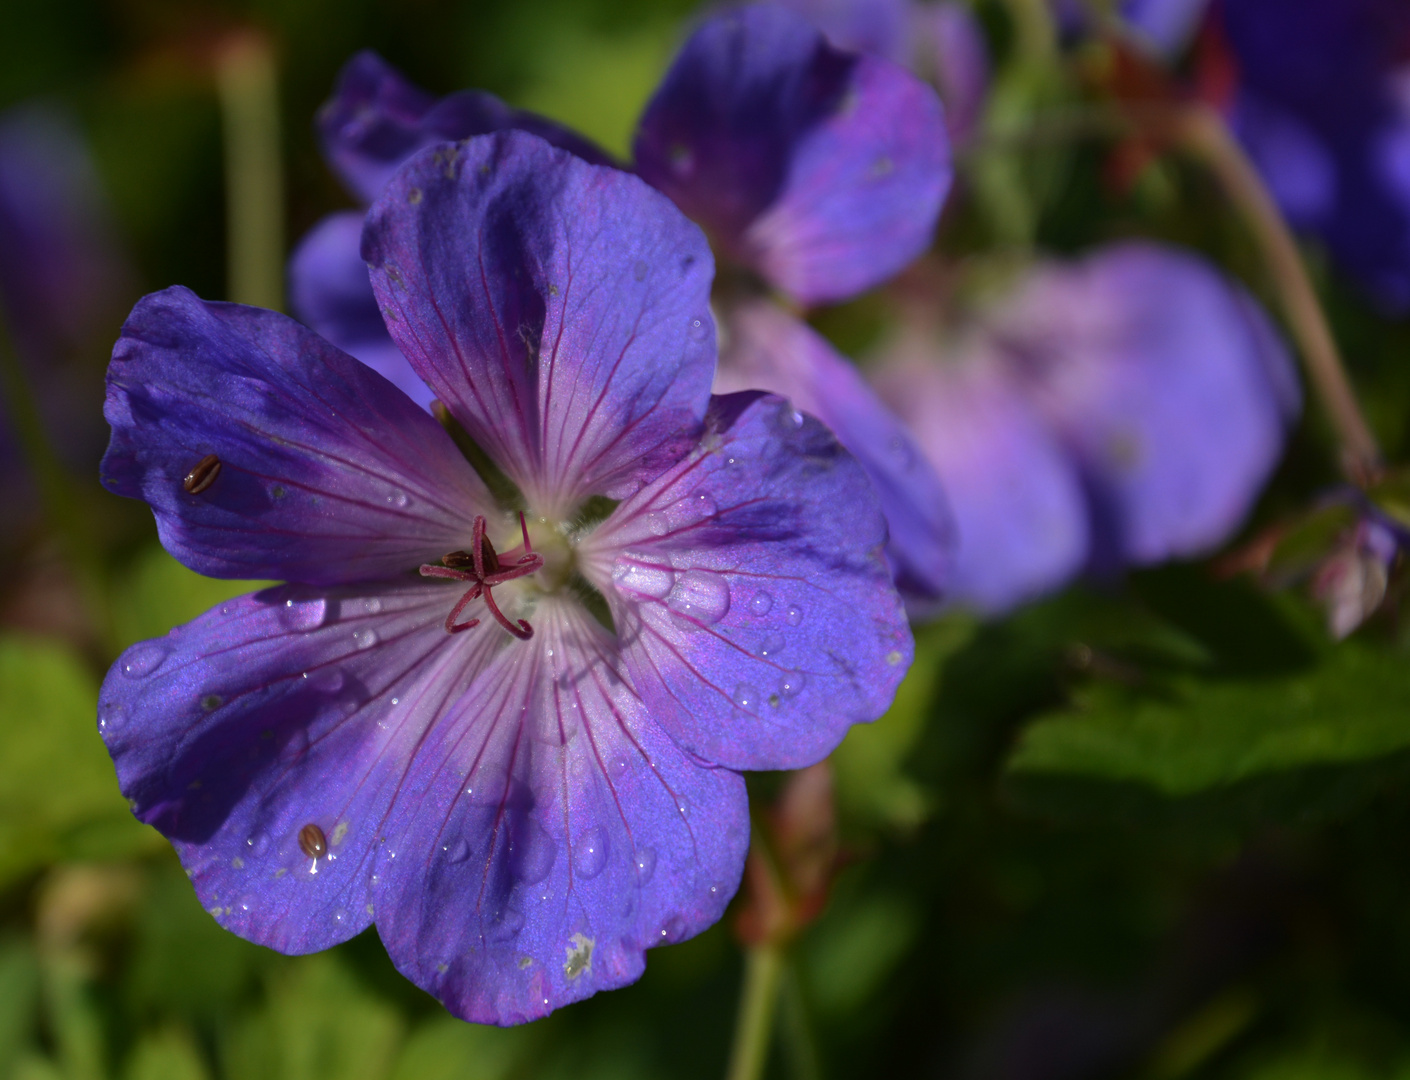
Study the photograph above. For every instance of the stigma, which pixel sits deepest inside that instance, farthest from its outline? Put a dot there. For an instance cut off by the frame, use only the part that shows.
(481, 566)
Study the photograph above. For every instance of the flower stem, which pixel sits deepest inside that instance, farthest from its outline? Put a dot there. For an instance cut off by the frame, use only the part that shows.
(1204, 134)
(763, 974)
(254, 195)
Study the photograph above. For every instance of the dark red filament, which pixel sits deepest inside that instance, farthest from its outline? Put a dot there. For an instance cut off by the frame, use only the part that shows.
(481, 566)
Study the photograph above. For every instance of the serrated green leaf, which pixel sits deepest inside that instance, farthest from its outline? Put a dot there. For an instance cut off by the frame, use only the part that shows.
(1354, 706)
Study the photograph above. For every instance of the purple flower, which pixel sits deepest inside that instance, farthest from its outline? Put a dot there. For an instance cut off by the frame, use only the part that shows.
(1124, 410)
(1323, 106)
(522, 788)
(942, 42)
(823, 171)
(374, 122)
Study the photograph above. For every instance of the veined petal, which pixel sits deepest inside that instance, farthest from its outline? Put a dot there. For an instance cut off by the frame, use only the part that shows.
(330, 292)
(750, 592)
(288, 708)
(1167, 383)
(559, 309)
(768, 349)
(377, 119)
(1021, 525)
(823, 170)
(326, 472)
(550, 832)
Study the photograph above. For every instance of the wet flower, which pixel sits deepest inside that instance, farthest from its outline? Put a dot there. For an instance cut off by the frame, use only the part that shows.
(1121, 411)
(820, 171)
(524, 775)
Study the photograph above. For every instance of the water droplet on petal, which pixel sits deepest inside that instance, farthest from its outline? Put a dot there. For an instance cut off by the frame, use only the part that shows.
(457, 851)
(371, 606)
(258, 844)
(794, 615)
(652, 581)
(110, 715)
(689, 511)
(590, 855)
(701, 595)
(745, 696)
(761, 603)
(792, 684)
(645, 864)
(698, 330)
(657, 523)
(303, 615)
(507, 926)
(398, 498)
(532, 854)
(325, 680)
(772, 645)
(365, 638)
(143, 659)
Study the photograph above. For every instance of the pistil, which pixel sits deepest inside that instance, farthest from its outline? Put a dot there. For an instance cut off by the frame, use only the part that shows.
(482, 567)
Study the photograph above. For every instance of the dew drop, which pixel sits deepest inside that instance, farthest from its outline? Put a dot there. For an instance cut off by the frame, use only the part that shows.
(371, 606)
(340, 915)
(761, 603)
(674, 929)
(902, 452)
(645, 864)
(745, 696)
(365, 638)
(643, 580)
(701, 595)
(893, 658)
(590, 855)
(772, 645)
(247, 902)
(698, 330)
(458, 850)
(110, 714)
(143, 659)
(532, 855)
(689, 511)
(303, 615)
(258, 844)
(792, 684)
(398, 498)
(506, 926)
(325, 680)
(794, 615)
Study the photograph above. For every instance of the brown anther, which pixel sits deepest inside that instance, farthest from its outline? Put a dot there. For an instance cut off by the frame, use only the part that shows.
(312, 842)
(202, 475)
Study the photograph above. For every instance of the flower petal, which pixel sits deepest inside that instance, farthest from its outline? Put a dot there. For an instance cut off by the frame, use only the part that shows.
(559, 309)
(290, 707)
(330, 292)
(550, 832)
(1020, 515)
(326, 472)
(1167, 383)
(749, 589)
(822, 170)
(376, 120)
(768, 349)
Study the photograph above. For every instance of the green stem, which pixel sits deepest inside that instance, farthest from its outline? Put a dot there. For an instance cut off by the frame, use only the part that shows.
(1205, 135)
(57, 494)
(254, 193)
(763, 971)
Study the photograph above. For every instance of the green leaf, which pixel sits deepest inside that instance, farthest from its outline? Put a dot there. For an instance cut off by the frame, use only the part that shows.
(1352, 707)
(447, 1049)
(59, 796)
(156, 593)
(165, 1055)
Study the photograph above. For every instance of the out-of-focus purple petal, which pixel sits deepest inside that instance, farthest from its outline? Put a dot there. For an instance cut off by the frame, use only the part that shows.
(1166, 382)
(768, 349)
(376, 119)
(60, 267)
(952, 51)
(879, 27)
(327, 473)
(1166, 25)
(822, 170)
(330, 291)
(749, 590)
(1020, 517)
(559, 309)
(290, 707)
(550, 832)
(1322, 108)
